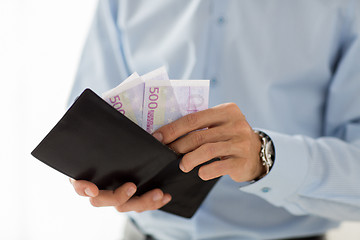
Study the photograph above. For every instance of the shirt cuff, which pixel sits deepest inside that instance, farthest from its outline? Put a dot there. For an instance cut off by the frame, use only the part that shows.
(288, 172)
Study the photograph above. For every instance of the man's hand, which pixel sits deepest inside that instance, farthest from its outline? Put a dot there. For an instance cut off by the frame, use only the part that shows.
(121, 198)
(222, 132)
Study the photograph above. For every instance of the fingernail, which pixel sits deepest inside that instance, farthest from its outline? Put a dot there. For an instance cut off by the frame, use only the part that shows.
(130, 191)
(157, 196)
(71, 180)
(182, 167)
(89, 193)
(158, 136)
(166, 199)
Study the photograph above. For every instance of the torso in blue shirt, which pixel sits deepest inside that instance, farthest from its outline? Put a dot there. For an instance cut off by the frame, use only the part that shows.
(291, 68)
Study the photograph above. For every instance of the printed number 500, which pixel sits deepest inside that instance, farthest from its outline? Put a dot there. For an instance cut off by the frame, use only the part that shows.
(116, 103)
(153, 97)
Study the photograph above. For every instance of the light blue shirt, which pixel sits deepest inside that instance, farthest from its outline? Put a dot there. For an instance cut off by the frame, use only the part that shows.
(293, 68)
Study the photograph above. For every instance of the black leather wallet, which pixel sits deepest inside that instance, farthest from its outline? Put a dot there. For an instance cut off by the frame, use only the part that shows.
(94, 142)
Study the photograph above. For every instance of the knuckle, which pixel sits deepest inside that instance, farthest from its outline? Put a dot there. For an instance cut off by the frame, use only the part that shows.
(224, 167)
(179, 148)
(211, 149)
(198, 138)
(231, 107)
(239, 126)
(171, 129)
(227, 149)
(191, 120)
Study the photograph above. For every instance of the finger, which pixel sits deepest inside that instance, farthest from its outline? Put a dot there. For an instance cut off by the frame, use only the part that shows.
(114, 198)
(216, 169)
(195, 139)
(205, 153)
(85, 188)
(151, 200)
(190, 122)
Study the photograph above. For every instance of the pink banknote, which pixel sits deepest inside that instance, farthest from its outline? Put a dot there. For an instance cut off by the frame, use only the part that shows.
(167, 101)
(152, 100)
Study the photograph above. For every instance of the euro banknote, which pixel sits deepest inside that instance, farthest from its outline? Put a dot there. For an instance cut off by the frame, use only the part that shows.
(167, 101)
(128, 96)
(152, 100)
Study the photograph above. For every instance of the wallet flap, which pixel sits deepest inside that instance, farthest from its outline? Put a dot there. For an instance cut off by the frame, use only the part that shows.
(94, 142)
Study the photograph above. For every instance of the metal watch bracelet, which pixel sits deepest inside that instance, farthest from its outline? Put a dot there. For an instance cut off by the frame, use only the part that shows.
(267, 152)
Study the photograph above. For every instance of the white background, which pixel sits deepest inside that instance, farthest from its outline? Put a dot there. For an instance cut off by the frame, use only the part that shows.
(40, 46)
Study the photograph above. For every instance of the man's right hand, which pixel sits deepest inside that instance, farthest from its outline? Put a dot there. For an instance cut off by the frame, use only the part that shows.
(121, 198)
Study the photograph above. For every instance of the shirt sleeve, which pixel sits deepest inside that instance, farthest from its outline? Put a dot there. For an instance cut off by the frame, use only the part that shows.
(322, 176)
(102, 65)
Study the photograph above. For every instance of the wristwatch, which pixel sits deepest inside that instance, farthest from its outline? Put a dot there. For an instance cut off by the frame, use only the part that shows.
(267, 152)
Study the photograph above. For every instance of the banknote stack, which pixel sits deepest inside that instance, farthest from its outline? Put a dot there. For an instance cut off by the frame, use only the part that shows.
(152, 100)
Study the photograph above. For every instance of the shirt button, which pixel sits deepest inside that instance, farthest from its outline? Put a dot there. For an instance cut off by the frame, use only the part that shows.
(221, 20)
(213, 82)
(265, 189)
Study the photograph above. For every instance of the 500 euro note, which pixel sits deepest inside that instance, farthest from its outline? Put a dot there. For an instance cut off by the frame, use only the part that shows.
(167, 101)
(128, 96)
(157, 74)
(191, 95)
